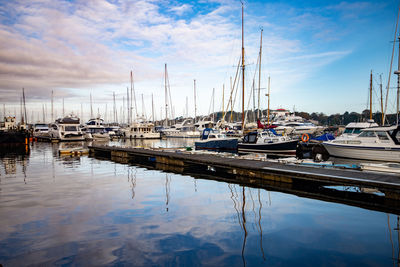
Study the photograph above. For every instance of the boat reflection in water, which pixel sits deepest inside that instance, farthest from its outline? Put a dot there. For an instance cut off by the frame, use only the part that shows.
(105, 213)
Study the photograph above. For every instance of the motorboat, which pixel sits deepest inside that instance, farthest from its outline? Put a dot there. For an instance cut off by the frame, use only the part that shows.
(376, 143)
(204, 123)
(185, 129)
(66, 129)
(40, 130)
(95, 130)
(269, 142)
(214, 140)
(141, 130)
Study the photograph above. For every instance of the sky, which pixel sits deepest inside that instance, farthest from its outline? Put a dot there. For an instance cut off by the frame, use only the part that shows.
(318, 54)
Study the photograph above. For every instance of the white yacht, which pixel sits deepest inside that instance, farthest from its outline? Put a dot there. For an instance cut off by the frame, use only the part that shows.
(95, 130)
(41, 130)
(287, 123)
(141, 130)
(185, 129)
(376, 143)
(66, 129)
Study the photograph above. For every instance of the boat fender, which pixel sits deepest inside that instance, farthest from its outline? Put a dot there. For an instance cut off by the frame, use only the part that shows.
(305, 137)
(282, 139)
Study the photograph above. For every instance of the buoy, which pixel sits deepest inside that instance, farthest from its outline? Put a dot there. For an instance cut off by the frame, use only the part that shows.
(305, 137)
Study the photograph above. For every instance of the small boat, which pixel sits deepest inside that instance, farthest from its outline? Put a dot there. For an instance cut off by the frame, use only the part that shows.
(66, 129)
(40, 130)
(214, 140)
(141, 130)
(268, 142)
(95, 130)
(376, 143)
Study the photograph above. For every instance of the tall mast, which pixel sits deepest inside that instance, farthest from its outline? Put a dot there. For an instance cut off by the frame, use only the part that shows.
(213, 97)
(127, 105)
(391, 64)
(195, 105)
(397, 72)
(166, 95)
(370, 96)
(223, 98)
(242, 71)
(259, 76)
(23, 98)
(381, 99)
(43, 116)
(63, 108)
(231, 118)
(269, 83)
(81, 112)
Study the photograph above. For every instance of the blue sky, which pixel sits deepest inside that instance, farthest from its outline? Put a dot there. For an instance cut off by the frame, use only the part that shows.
(319, 54)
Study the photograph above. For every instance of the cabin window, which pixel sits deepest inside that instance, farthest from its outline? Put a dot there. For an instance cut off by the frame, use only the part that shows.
(367, 134)
(382, 135)
(70, 128)
(357, 130)
(348, 130)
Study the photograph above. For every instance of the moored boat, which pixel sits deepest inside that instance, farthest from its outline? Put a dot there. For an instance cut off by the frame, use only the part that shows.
(269, 143)
(66, 129)
(377, 143)
(216, 141)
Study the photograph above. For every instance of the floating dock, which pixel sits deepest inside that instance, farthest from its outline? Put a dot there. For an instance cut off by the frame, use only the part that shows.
(373, 190)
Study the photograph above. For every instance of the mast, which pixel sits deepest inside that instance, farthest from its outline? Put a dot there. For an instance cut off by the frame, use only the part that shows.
(166, 95)
(259, 76)
(242, 71)
(23, 98)
(370, 97)
(63, 107)
(223, 102)
(231, 118)
(127, 105)
(81, 112)
(397, 72)
(195, 105)
(391, 64)
(43, 116)
(381, 99)
(269, 83)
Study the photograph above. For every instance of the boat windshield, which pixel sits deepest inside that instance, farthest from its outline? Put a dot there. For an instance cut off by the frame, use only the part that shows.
(382, 135)
(70, 128)
(367, 134)
(348, 130)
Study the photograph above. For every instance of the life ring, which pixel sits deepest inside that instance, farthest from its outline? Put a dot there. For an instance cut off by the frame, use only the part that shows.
(305, 137)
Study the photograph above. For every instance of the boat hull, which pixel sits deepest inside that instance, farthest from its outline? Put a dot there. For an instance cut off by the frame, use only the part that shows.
(218, 145)
(285, 148)
(378, 153)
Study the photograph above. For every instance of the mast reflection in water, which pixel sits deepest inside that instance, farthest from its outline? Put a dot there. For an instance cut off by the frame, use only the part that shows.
(84, 211)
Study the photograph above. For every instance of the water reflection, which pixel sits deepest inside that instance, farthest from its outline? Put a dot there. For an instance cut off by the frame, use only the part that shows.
(106, 213)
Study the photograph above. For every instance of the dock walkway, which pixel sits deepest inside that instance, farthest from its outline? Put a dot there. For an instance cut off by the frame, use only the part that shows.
(278, 172)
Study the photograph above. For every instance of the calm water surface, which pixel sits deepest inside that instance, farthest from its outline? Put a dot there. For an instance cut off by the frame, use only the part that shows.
(84, 211)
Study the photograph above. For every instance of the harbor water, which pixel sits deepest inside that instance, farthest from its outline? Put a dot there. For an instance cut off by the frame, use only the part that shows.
(83, 211)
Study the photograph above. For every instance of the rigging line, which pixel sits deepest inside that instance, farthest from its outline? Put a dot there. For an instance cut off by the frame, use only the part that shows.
(391, 62)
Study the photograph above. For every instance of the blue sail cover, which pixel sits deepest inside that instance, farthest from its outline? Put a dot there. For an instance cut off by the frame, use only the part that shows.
(324, 137)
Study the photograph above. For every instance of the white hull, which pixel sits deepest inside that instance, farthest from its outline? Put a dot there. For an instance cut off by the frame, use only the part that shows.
(379, 153)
